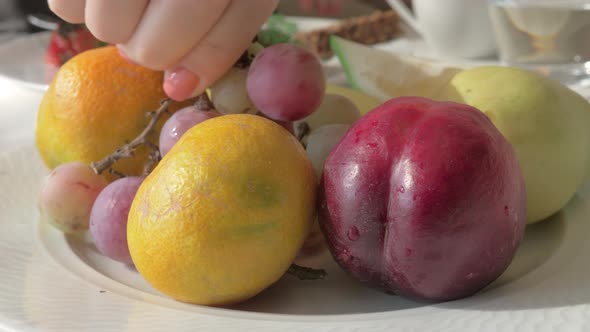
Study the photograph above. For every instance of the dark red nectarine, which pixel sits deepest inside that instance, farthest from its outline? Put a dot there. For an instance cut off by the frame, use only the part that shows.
(424, 199)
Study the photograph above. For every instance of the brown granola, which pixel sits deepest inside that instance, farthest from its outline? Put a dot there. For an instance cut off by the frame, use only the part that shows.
(377, 27)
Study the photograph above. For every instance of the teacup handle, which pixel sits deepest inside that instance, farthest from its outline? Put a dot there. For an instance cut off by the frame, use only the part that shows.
(405, 14)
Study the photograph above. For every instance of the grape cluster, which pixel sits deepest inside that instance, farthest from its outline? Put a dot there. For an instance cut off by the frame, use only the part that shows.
(284, 83)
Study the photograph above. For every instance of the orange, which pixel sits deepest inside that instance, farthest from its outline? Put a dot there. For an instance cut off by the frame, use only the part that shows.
(225, 212)
(97, 102)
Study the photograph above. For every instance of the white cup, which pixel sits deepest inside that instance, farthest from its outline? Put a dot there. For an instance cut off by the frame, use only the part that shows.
(457, 28)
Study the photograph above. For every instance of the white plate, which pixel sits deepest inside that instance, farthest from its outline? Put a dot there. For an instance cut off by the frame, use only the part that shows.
(52, 283)
(49, 282)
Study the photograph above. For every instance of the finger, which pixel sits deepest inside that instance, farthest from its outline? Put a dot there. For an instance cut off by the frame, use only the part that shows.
(68, 10)
(219, 50)
(306, 5)
(334, 7)
(170, 29)
(113, 21)
(328, 7)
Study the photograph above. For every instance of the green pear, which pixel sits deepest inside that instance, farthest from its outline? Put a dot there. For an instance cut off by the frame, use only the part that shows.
(547, 124)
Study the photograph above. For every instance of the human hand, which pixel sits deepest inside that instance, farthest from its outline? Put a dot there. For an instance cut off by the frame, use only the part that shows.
(324, 7)
(194, 41)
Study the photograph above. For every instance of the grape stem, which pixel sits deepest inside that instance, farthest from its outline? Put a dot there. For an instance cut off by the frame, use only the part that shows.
(203, 103)
(153, 158)
(306, 273)
(117, 173)
(127, 150)
(244, 61)
(302, 131)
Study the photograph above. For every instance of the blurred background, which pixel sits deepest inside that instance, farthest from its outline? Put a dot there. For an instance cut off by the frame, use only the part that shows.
(13, 13)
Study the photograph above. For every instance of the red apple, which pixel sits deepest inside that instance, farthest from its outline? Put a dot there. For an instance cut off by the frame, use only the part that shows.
(424, 199)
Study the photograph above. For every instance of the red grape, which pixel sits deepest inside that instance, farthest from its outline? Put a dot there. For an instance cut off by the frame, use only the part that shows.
(179, 123)
(286, 82)
(67, 195)
(108, 220)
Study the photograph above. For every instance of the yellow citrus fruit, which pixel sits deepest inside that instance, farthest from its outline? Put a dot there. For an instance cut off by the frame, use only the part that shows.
(224, 213)
(97, 102)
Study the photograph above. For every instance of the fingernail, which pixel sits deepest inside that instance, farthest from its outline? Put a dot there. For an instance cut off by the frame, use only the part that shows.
(124, 55)
(179, 84)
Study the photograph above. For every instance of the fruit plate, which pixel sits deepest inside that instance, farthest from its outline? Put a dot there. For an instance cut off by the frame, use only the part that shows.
(49, 282)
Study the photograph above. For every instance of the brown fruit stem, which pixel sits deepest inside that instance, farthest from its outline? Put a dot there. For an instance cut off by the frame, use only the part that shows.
(117, 173)
(127, 150)
(302, 132)
(153, 159)
(203, 103)
(244, 61)
(306, 273)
